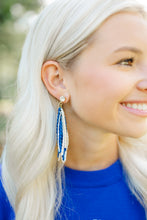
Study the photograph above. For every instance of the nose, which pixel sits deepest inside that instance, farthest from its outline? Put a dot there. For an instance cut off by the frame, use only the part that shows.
(142, 85)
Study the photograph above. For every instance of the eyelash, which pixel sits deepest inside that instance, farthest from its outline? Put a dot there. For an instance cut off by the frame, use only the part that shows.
(126, 60)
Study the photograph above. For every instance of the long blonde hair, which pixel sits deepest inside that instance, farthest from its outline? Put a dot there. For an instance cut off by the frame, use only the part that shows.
(30, 171)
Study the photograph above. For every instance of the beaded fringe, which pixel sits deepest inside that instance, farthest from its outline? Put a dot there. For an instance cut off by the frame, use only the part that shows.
(62, 135)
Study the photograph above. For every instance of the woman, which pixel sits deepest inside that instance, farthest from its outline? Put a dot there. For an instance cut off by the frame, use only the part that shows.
(76, 139)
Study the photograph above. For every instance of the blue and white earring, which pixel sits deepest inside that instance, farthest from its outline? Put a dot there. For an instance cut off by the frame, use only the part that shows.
(61, 132)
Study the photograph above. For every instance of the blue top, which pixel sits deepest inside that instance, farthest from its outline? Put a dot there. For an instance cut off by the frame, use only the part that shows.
(91, 195)
(99, 195)
(6, 211)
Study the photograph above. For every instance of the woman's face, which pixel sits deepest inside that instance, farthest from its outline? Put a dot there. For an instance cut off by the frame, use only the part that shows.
(111, 71)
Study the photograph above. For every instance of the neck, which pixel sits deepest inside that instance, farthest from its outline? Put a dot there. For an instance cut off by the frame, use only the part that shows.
(92, 154)
(90, 148)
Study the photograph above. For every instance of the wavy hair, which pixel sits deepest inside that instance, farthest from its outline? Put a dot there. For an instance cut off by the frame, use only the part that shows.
(30, 170)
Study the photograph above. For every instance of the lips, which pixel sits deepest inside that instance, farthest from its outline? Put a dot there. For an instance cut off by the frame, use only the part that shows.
(139, 109)
(139, 106)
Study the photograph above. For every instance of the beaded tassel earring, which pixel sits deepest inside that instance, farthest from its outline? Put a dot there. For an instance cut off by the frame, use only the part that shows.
(61, 132)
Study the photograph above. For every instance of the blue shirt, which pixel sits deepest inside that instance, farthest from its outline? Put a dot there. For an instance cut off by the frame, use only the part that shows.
(6, 211)
(99, 195)
(91, 195)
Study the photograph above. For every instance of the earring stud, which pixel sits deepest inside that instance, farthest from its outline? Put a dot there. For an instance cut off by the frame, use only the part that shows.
(62, 98)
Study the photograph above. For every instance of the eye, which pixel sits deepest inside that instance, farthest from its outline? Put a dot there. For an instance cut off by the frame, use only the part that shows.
(126, 62)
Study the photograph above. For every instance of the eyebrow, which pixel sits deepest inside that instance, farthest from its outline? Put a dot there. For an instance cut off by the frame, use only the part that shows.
(133, 49)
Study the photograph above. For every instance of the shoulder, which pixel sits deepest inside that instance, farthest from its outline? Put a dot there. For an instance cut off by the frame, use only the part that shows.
(6, 211)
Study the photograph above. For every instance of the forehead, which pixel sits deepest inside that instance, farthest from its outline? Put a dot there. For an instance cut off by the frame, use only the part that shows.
(129, 26)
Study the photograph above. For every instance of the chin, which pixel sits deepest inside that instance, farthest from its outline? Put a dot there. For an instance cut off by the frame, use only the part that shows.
(136, 134)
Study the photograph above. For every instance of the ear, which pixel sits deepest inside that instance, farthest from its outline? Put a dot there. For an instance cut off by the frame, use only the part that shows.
(54, 80)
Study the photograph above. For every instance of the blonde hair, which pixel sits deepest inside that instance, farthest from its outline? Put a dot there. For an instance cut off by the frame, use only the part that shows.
(30, 171)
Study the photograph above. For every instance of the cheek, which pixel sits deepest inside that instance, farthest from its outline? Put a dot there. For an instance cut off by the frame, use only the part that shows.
(98, 93)
(100, 86)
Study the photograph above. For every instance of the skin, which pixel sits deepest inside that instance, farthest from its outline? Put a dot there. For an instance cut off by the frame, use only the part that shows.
(97, 85)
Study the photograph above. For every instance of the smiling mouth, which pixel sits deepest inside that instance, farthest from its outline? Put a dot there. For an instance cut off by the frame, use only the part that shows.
(139, 106)
(139, 109)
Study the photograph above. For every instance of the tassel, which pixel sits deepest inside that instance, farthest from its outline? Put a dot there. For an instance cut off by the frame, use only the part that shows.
(62, 133)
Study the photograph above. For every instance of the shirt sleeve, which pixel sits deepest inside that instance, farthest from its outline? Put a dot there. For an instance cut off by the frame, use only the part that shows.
(6, 211)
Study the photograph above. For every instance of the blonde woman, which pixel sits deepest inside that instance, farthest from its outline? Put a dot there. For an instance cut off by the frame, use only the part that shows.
(76, 141)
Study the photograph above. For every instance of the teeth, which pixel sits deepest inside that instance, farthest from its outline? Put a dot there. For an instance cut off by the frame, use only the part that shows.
(128, 105)
(136, 106)
(144, 106)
